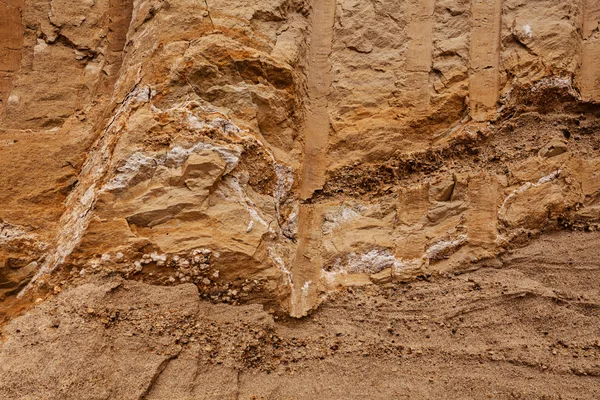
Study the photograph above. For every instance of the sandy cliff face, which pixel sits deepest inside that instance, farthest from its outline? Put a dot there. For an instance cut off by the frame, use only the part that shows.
(276, 152)
(280, 150)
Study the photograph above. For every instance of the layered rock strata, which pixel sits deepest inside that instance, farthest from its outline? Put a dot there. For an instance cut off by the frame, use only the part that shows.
(276, 152)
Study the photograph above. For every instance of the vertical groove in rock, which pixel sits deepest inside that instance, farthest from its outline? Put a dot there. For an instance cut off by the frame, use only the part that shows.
(589, 79)
(306, 269)
(11, 42)
(482, 218)
(485, 57)
(319, 82)
(119, 18)
(420, 52)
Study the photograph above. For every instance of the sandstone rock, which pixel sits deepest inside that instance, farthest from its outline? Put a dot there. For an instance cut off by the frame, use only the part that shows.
(202, 171)
(158, 156)
(304, 145)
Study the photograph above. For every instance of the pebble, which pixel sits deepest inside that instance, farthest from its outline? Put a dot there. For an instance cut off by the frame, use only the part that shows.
(137, 266)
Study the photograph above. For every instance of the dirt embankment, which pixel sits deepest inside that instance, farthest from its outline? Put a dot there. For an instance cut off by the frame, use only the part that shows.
(522, 326)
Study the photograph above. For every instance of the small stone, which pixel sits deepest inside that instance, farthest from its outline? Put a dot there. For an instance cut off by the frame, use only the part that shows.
(183, 263)
(154, 257)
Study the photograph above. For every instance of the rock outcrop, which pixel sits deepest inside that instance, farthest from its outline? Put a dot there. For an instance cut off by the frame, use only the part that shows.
(277, 152)
(281, 150)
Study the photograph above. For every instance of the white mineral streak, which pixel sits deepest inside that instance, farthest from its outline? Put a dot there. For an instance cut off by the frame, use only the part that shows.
(345, 213)
(230, 188)
(9, 232)
(442, 248)
(305, 292)
(280, 264)
(80, 201)
(370, 262)
(376, 260)
(140, 162)
(545, 179)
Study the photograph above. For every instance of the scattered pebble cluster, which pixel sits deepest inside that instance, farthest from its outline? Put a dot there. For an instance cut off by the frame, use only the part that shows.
(195, 266)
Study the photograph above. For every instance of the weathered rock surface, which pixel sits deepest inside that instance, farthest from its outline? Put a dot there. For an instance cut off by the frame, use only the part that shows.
(278, 152)
(522, 326)
(303, 146)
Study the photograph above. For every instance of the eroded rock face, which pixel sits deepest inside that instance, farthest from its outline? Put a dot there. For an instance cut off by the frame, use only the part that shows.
(523, 325)
(275, 152)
